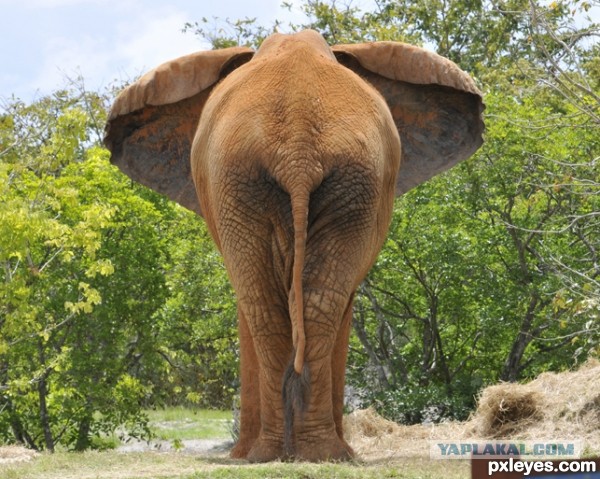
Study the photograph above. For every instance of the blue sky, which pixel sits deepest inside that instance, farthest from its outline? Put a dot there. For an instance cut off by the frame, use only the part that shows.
(45, 41)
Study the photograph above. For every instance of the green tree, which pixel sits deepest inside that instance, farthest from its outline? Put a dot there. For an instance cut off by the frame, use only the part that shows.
(198, 321)
(81, 254)
(419, 314)
(543, 213)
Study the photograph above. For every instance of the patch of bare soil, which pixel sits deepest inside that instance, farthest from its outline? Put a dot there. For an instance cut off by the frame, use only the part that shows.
(202, 447)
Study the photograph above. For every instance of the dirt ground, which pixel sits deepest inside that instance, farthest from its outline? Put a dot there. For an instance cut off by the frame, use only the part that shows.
(203, 447)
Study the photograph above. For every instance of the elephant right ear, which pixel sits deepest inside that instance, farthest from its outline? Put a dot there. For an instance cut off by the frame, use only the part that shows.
(436, 106)
(152, 123)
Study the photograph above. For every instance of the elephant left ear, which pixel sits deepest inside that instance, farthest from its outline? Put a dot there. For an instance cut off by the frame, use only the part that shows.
(436, 106)
(152, 123)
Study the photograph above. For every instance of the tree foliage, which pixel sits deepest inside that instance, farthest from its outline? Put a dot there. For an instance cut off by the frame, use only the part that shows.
(81, 278)
(102, 285)
(198, 321)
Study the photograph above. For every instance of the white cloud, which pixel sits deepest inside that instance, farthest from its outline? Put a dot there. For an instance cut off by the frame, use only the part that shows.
(132, 41)
(153, 37)
(57, 3)
(65, 57)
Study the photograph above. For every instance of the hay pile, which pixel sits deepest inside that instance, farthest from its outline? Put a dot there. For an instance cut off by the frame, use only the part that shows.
(553, 406)
(12, 454)
(507, 409)
(374, 438)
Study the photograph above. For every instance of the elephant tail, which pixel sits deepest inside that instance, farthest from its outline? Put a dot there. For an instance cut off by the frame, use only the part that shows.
(296, 380)
(299, 203)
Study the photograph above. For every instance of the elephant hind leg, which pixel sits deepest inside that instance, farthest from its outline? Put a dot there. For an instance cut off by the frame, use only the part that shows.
(338, 371)
(249, 393)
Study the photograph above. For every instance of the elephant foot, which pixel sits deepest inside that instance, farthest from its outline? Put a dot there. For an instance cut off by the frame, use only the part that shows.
(329, 448)
(264, 451)
(241, 449)
(348, 447)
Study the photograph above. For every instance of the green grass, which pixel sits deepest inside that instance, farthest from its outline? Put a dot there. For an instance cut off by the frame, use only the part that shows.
(408, 470)
(180, 414)
(152, 465)
(180, 423)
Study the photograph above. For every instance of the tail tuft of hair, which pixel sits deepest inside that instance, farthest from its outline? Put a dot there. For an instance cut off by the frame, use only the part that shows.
(295, 394)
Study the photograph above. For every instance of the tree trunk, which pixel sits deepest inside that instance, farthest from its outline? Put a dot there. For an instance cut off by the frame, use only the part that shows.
(43, 394)
(83, 434)
(359, 327)
(44, 417)
(512, 365)
(19, 432)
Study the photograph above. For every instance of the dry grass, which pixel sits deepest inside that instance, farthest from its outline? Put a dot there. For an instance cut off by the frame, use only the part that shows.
(377, 439)
(553, 406)
(13, 454)
(155, 465)
(506, 409)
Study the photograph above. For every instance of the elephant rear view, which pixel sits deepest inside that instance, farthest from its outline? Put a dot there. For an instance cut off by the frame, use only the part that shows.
(293, 155)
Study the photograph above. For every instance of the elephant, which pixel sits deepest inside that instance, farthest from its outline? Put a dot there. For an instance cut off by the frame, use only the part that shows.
(293, 155)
